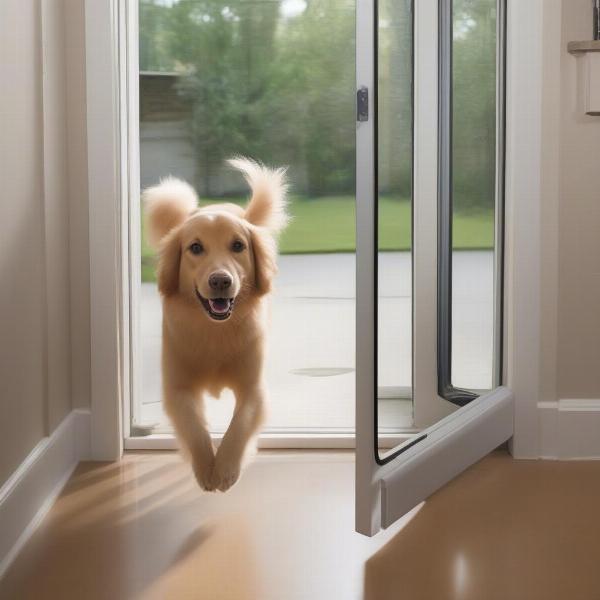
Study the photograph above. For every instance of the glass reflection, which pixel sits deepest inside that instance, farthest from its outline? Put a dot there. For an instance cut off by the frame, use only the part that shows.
(395, 156)
(473, 192)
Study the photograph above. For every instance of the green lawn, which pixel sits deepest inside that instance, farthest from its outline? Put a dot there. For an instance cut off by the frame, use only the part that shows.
(327, 225)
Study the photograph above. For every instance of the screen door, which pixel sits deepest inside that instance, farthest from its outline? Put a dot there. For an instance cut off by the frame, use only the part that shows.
(449, 281)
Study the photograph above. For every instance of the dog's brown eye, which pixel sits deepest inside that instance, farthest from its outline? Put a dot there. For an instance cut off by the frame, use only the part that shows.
(238, 246)
(196, 248)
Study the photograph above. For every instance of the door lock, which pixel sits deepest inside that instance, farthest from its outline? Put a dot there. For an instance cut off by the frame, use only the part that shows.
(362, 104)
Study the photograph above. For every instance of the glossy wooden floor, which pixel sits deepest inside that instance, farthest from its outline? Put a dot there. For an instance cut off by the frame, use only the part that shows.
(506, 530)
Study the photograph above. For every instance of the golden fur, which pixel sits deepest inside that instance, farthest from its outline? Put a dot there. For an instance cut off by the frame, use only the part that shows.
(201, 354)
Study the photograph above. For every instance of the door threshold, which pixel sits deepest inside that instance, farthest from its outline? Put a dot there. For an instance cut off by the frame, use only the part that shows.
(275, 440)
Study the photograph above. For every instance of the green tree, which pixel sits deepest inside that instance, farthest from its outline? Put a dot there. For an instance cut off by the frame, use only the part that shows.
(224, 50)
(316, 69)
(280, 88)
(395, 97)
(154, 29)
(474, 99)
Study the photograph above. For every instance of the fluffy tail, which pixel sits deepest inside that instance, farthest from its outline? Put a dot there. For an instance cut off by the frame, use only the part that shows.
(166, 206)
(267, 207)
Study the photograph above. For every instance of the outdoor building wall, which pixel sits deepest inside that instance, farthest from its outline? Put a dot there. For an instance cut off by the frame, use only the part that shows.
(166, 149)
(167, 144)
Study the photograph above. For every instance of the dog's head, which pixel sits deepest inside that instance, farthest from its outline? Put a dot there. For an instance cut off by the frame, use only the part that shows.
(220, 255)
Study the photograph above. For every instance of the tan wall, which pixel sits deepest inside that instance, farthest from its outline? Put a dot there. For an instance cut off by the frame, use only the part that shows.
(578, 354)
(56, 211)
(551, 111)
(22, 293)
(77, 184)
(43, 202)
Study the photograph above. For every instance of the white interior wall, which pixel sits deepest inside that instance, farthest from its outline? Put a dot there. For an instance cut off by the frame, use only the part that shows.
(44, 265)
(56, 211)
(78, 202)
(23, 421)
(568, 415)
(550, 179)
(578, 347)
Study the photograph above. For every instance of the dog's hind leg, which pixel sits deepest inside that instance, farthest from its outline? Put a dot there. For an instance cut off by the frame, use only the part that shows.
(185, 409)
(249, 415)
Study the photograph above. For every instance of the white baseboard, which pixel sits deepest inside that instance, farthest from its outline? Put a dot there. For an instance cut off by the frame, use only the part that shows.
(30, 491)
(570, 429)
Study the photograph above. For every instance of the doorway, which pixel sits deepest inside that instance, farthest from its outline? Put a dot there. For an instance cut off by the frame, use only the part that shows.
(276, 81)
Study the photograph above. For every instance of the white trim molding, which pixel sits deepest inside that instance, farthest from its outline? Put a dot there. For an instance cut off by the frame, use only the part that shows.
(103, 132)
(531, 139)
(569, 429)
(29, 493)
(522, 216)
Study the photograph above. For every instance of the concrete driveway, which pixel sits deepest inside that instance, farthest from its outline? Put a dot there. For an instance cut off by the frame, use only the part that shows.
(310, 368)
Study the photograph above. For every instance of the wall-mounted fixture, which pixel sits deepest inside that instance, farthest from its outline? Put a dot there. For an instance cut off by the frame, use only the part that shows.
(596, 4)
(588, 73)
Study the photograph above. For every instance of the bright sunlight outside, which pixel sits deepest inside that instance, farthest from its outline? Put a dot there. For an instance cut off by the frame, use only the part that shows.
(274, 80)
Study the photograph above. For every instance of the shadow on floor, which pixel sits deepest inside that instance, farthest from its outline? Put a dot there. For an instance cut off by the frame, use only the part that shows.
(84, 549)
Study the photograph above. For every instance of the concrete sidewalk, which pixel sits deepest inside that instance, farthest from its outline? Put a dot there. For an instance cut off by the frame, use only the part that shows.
(310, 368)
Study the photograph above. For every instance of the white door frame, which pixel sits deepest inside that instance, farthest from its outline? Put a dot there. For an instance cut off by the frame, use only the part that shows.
(523, 215)
(109, 315)
(106, 250)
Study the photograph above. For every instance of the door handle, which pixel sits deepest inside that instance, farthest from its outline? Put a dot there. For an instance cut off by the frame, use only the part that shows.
(362, 104)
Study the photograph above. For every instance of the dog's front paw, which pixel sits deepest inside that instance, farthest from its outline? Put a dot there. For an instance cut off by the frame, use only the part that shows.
(204, 474)
(225, 474)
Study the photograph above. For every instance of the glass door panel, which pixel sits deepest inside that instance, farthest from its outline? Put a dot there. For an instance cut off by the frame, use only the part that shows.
(394, 217)
(471, 190)
(473, 201)
(455, 292)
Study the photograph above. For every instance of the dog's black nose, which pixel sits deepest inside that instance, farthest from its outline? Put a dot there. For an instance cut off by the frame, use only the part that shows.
(219, 281)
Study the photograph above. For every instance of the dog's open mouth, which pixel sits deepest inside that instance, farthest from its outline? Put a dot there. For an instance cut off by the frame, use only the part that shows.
(218, 309)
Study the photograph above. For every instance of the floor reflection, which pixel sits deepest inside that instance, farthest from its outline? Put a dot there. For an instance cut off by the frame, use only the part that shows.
(503, 530)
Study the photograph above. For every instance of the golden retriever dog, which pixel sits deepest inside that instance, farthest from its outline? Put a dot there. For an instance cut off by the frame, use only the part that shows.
(215, 270)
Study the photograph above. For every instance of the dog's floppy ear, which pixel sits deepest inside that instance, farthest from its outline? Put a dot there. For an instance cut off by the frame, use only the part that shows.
(264, 250)
(168, 263)
(167, 205)
(267, 207)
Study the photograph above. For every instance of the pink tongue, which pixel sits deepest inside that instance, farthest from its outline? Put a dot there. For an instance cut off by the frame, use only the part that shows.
(220, 305)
